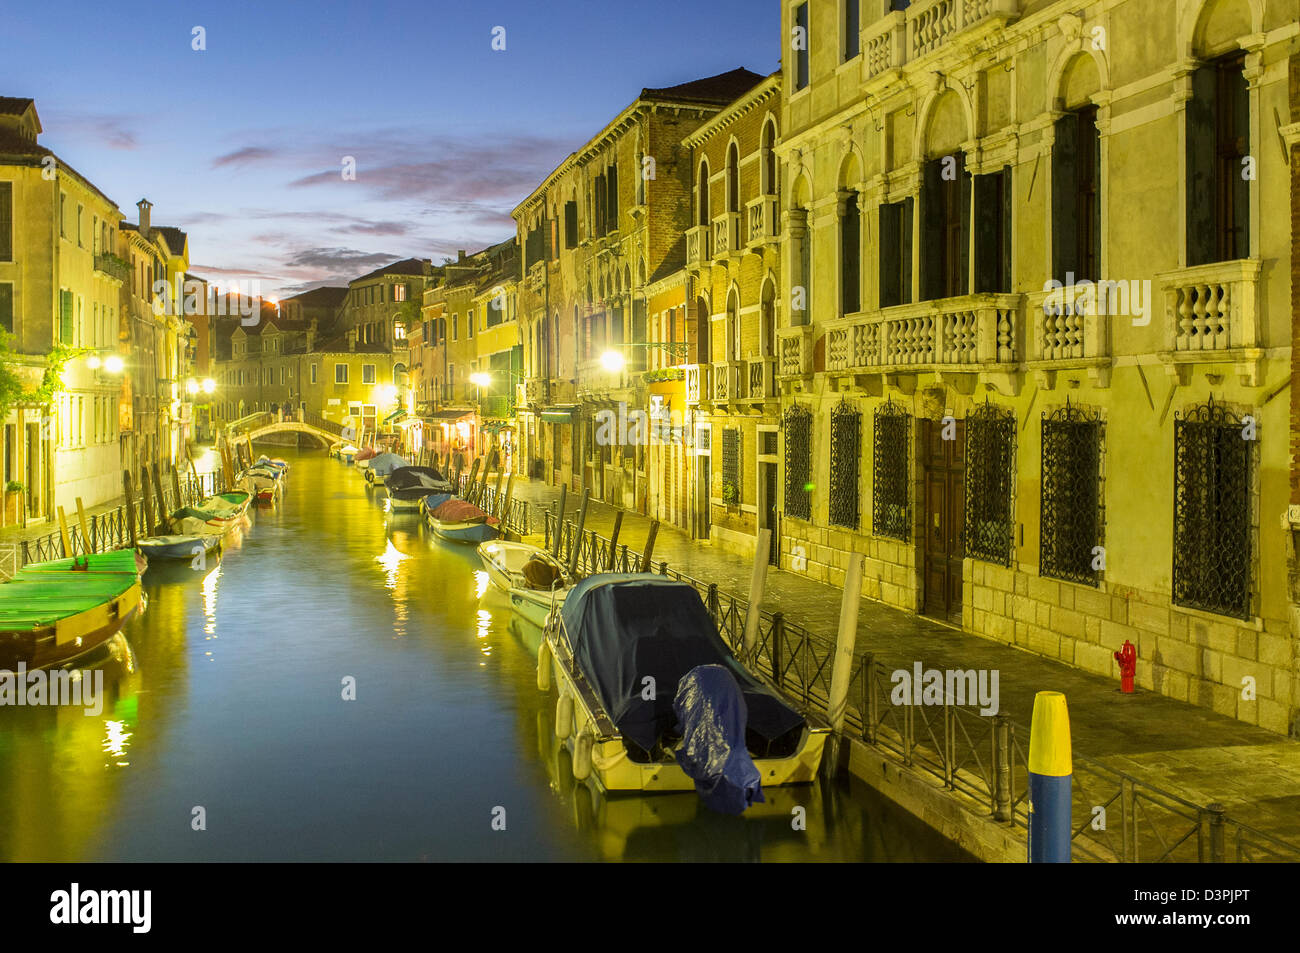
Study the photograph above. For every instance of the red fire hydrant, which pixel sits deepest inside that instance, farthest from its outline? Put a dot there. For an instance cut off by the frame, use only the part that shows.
(1128, 663)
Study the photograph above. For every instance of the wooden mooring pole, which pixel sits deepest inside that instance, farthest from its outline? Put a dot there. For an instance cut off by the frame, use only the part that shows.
(559, 520)
(647, 556)
(128, 489)
(757, 580)
(577, 536)
(86, 542)
(163, 514)
(843, 665)
(148, 501)
(63, 532)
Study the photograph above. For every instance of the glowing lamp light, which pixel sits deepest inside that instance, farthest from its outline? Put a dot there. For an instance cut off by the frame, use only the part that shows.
(387, 393)
(612, 361)
(209, 385)
(191, 386)
(113, 364)
(480, 380)
(93, 362)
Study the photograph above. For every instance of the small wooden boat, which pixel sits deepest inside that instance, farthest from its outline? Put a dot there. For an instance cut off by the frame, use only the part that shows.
(347, 453)
(215, 514)
(613, 632)
(536, 581)
(458, 521)
(56, 612)
(380, 466)
(408, 486)
(263, 481)
(180, 546)
(265, 461)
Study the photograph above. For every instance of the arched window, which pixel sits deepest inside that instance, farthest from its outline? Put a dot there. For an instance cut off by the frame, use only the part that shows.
(702, 194)
(767, 158)
(733, 178)
(733, 325)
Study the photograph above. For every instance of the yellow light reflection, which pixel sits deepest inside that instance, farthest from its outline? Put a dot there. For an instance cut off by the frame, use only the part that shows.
(481, 582)
(484, 621)
(391, 560)
(116, 741)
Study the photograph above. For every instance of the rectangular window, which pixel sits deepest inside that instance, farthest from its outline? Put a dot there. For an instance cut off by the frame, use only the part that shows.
(367, 373)
(990, 470)
(798, 462)
(1070, 513)
(455, 327)
(340, 373)
(7, 307)
(611, 184)
(399, 292)
(1214, 476)
(800, 40)
(81, 211)
(852, 29)
(65, 317)
(284, 375)
(992, 196)
(896, 253)
(6, 221)
(313, 373)
(1218, 142)
(891, 512)
(469, 324)
(63, 215)
(1076, 197)
(571, 224)
(846, 439)
(945, 211)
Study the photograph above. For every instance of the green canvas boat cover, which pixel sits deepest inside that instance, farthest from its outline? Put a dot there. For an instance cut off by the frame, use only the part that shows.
(43, 593)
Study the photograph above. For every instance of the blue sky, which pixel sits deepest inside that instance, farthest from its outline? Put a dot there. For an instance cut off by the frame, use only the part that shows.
(242, 144)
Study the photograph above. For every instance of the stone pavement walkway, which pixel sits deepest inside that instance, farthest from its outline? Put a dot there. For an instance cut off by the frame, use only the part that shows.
(1185, 750)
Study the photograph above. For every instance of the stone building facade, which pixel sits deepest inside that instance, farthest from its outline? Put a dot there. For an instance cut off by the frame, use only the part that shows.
(1030, 373)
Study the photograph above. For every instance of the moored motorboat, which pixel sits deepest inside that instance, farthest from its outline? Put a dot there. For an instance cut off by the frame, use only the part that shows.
(264, 481)
(215, 514)
(457, 520)
(381, 465)
(708, 725)
(55, 612)
(536, 581)
(408, 486)
(184, 546)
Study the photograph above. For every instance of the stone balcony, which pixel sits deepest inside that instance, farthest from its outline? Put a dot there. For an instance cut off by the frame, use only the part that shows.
(1212, 316)
(726, 235)
(536, 391)
(697, 383)
(1067, 329)
(729, 381)
(697, 246)
(762, 222)
(794, 353)
(903, 36)
(958, 338)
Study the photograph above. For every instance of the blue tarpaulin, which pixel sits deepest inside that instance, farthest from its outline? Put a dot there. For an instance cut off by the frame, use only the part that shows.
(712, 718)
(625, 628)
(385, 463)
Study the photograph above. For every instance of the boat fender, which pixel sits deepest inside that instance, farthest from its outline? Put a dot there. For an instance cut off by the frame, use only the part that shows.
(564, 715)
(543, 666)
(582, 748)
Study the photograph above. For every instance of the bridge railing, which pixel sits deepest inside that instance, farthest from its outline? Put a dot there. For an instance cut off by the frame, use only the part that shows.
(320, 423)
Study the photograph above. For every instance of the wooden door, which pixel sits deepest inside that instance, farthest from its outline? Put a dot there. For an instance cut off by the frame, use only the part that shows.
(943, 464)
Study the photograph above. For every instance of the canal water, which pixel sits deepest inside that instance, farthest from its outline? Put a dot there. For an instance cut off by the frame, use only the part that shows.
(226, 712)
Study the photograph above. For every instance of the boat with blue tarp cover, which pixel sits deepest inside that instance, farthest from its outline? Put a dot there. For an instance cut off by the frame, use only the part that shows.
(381, 465)
(652, 699)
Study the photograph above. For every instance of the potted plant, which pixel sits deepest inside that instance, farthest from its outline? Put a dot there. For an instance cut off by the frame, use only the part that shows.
(13, 499)
(730, 493)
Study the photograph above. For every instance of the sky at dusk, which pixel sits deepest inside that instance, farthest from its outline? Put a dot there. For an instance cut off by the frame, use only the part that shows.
(242, 144)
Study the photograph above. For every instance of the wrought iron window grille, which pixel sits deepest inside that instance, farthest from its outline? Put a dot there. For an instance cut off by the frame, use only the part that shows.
(990, 477)
(846, 448)
(1072, 504)
(797, 425)
(891, 509)
(1214, 510)
(731, 466)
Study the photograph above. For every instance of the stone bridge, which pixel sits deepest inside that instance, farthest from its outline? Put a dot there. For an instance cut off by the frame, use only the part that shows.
(256, 426)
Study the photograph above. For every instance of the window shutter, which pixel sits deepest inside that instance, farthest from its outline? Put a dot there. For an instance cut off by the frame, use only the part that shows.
(1201, 197)
(992, 245)
(570, 224)
(850, 255)
(1238, 92)
(890, 254)
(905, 251)
(932, 231)
(65, 317)
(1065, 254)
(963, 246)
(612, 204)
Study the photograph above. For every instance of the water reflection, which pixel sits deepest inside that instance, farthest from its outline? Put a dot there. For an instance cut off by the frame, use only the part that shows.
(226, 693)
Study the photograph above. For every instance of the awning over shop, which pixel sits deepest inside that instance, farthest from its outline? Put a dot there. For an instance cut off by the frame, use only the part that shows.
(493, 426)
(394, 417)
(561, 414)
(452, 414)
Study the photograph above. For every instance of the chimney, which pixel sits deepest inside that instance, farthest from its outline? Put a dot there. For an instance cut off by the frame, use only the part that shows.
(311, 335)
(352, 339)
(460, 254)
(144, 205)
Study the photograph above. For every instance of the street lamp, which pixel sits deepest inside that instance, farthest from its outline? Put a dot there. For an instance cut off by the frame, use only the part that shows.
(209, 385)
(613, 361)
(481, 380)
(113, 364)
